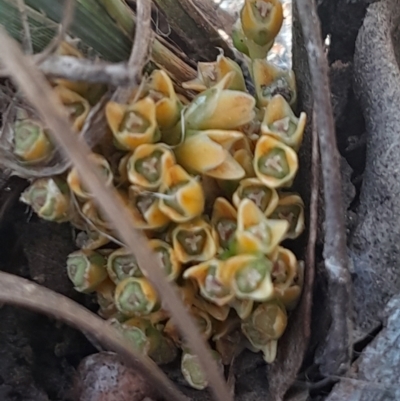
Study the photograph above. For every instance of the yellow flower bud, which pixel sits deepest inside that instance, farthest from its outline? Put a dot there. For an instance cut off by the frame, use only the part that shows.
(265, 198)
(261, 20)
(146, 209)
(77, 107)
(281, 123)
(168, 106)
(183, 196)
(249, 277)
(291, 208)
(275, 163)
(264, 327)
(75, 183)
(194, 241)
(220, 108)
(86, 269)
(168, 258)
(270, 81)
(211, 288)
(31, 142)
(256, 233)
(133, 124)
(49, 198)
(135, 297)
(148, 165)
(207, 152)
(224, 220)
(209, 74)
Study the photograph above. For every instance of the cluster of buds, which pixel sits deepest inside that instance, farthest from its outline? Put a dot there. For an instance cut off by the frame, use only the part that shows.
(223, 251)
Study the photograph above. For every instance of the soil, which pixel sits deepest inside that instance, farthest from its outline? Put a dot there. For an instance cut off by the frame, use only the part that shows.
(39, 357)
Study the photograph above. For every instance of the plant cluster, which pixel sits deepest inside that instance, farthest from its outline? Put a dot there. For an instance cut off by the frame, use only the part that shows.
(207, 180)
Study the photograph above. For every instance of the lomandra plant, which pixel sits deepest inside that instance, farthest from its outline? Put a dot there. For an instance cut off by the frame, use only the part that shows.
(208, 181)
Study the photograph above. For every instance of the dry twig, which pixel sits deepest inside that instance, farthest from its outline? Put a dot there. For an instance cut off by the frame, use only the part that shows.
(337, 354)
(21, 292)
(34, 85)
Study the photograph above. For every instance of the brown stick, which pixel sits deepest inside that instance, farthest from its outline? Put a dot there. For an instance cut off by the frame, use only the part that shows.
(39, 93)
(21, 292)
(335, 251)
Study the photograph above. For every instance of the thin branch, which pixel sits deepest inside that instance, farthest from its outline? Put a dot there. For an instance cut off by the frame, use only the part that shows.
(335, 251)
(27, 42)
(140, 50)
(68, 15)
(34, 85)
(18, 291)
(78, 69)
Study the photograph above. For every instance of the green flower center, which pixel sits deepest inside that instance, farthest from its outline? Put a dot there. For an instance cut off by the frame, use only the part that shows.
(25, 137)
(226, 229)
(261, 196)
(76, 268)
(125, 266)
(134, 122)
(285, 126)
(274, 163)
(249, 278)
(132, 299)
(213, 286)
(192, 241)
(149, 167)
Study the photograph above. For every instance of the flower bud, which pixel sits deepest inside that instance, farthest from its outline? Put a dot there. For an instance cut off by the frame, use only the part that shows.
(77, 107)
(49, 198)
(86, 269)
(249, 277)
(291, 208)
(224, 221)
(135, 297)
(192, 371)
(265, 325)
(256, 233)
(31, 142)
(168, 106)
(121, 264)
(75, 182)
(168, 258)
(207, 152)
(270, 81)
(281, 123)
(209, 74)
(211, 288)
(148, 165)
(275, 163)
(261, 20)
(183, 196)
(133, 124)
(266, 199)
(194, 241)
(146, 209)
(220, 108)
